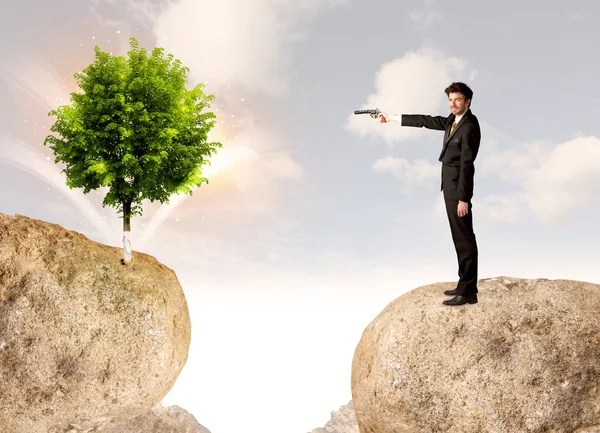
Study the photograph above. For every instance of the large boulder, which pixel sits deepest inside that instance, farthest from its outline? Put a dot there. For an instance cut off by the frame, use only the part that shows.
(170, 419)
(526, 358)
(85, 342)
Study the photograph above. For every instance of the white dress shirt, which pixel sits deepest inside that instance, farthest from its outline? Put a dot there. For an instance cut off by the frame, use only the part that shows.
(457, 119)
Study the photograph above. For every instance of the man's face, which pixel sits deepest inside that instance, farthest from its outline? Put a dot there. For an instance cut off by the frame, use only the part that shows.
(457, 103)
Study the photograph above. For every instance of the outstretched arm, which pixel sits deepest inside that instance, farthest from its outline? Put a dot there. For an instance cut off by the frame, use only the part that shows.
(416, 120)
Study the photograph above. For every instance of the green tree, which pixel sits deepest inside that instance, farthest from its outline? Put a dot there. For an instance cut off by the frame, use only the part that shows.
(135, 129)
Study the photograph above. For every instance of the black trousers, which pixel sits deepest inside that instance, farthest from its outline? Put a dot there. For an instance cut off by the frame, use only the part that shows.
(465, 245)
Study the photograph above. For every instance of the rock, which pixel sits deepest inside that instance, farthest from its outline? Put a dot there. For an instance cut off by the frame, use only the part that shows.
(526, 358)
(85, 342)
(160, 419)
(342, 421)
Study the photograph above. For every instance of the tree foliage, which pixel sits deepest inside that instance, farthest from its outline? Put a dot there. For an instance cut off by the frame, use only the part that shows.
(135, 129)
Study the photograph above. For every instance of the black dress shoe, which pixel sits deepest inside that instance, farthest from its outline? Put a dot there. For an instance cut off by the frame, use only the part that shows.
(461, 300)
(453, 292)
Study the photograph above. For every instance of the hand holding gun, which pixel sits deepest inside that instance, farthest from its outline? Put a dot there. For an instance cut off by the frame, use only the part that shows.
(374, 113)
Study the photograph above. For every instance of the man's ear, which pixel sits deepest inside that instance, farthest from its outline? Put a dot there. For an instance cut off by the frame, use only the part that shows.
(468, 103)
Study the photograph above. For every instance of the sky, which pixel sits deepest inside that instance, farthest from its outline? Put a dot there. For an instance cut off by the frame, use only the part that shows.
(314, 218)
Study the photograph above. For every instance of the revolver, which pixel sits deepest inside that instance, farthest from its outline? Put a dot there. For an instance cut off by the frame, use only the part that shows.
(372, 112)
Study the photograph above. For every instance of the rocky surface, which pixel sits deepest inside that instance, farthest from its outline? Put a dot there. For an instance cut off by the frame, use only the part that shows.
(160, 419)
(85, 342)
(526, 358)
(342, 421)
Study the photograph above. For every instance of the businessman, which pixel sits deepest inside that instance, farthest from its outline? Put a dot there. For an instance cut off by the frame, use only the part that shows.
(462, 136)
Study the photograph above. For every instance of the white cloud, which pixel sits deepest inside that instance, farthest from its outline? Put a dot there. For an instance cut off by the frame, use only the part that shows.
(568, 181)
(143, 10)
(502, 207)
(408, 173)
(430, 14)
(514, 165)
(473, 75)
(235, 42)
(413, 84)
(555, 181)
(440, 208)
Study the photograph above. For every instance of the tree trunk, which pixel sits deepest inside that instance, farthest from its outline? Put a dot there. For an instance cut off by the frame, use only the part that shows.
(126, 232)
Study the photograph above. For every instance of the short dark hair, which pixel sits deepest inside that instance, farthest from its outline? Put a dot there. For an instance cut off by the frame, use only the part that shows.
(458, 87)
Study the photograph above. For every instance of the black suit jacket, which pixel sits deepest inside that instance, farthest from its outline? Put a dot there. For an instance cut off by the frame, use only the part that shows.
(458, 152)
